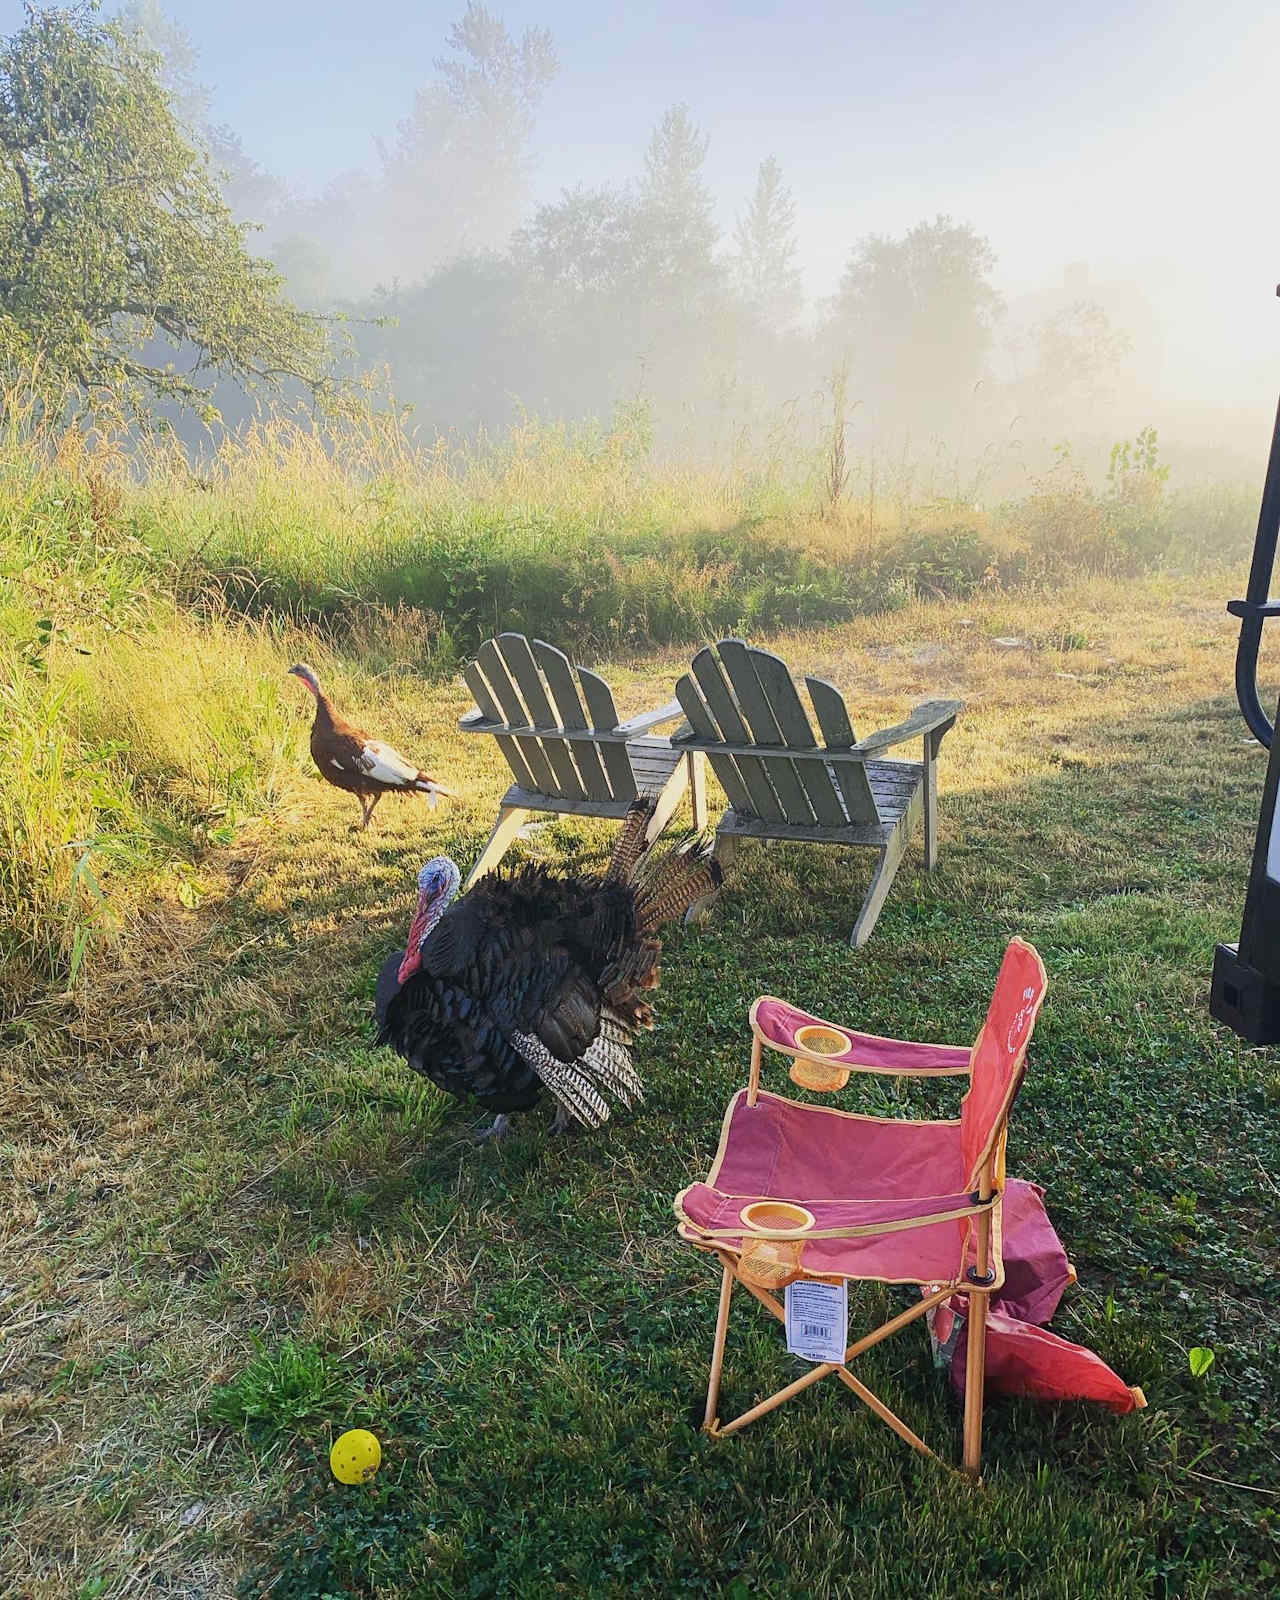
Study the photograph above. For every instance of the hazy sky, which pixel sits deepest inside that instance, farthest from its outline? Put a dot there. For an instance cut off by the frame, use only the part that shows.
(1135, 137)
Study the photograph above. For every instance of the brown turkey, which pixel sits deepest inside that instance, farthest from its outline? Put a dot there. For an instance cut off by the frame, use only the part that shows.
(351, 760)
(534, 981)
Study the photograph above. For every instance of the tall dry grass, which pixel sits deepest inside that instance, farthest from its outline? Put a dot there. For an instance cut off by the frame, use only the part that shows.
(149, 602)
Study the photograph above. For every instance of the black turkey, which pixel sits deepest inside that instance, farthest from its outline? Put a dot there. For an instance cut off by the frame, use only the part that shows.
(534, 981)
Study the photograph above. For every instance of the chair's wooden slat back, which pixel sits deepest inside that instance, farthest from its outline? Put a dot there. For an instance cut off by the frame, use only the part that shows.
(564, 691)
(727, 724)
(497, 674)
(604, 719)
(832, 714)
(511, 751)
(739, 664)
(797, 734)
(518, 655)
(838, 734)
(744, 696)
(532, 689)
(703, 726)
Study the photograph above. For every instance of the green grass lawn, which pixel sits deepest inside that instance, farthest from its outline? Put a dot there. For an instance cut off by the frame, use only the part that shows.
(233, 1227)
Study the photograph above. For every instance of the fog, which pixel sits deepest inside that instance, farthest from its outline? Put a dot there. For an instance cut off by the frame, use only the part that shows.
(975, 232)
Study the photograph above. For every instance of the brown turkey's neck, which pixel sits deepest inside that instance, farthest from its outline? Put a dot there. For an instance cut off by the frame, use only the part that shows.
(325, 716)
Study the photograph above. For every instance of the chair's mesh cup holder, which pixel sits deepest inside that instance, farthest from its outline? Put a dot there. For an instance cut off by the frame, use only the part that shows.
(773, 1263)
(817, 1039)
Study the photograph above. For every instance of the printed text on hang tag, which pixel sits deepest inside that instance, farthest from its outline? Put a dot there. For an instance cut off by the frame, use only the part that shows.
(818, 1320)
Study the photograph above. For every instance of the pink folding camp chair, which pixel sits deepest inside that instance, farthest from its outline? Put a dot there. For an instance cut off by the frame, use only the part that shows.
(807, 1191)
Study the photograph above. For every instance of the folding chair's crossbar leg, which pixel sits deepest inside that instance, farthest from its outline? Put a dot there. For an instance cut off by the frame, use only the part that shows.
(883, 1412)
(822, 1370)
(887, 1329)
(775, 1400)
(884, 1331)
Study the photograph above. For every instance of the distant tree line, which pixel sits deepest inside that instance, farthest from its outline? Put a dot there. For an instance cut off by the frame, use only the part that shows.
(126, 261)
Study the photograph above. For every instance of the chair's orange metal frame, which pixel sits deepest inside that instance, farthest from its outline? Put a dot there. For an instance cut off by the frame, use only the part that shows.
(976, 1282)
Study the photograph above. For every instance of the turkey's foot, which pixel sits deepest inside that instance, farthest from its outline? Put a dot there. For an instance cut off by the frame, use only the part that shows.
(563, 1122)
(500, 1128)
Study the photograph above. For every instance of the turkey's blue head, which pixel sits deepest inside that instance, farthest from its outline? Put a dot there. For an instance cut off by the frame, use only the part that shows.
(437, 885)
(300, 669)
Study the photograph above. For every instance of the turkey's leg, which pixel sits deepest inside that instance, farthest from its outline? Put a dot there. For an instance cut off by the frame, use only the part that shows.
(499, 1130)
(562, 1122)
(369, 811)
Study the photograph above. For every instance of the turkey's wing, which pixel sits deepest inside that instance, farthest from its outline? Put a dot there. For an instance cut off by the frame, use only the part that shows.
(520, 971)
(450, 1037)
(545, 992)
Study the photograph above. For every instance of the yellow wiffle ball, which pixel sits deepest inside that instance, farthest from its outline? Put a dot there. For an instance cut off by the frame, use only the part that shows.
(355, 1456)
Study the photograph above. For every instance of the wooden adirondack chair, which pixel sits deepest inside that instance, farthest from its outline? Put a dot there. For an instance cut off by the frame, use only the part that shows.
(567, 751)
(745, 713)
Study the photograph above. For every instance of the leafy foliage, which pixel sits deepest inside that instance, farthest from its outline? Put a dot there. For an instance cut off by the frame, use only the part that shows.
(122, 272)
(920, 313)
(283, 1388)
(765, 241)
(1199, 1360)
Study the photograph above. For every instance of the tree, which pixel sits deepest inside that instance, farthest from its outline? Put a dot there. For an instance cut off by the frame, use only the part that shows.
(764, 264)
(625, 285)
(1067, 366)
(461, 347)
(675, 229)
(149, 26)
(919, 314)
(113, 234)
(251, 192)
(466, 140)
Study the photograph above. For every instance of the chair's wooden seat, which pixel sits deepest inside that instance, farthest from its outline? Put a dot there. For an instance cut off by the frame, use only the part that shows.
(653, 764)
(745, 713)
(895, 786)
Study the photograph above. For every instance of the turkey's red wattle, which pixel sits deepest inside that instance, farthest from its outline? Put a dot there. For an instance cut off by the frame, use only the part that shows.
(412, 950)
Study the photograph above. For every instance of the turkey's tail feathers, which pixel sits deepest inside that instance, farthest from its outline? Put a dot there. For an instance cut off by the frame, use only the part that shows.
(668, 876)
(425, 784)
(665, 878)
(624, 980)
(630, 847)
(580, 1086)
(668, 884)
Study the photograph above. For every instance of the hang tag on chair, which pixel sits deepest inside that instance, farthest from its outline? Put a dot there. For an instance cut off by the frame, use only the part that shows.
(817, 1320)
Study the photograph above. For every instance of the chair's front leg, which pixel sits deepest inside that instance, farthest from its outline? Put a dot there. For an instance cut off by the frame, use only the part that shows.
(881, 881)
(932, 743)
(510, 821)
(698, 788)
(667, 802)
(979, 1278)
(717, 1352)
(975, 1373)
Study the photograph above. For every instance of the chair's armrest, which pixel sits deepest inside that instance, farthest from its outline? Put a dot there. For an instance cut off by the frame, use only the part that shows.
(713, 1214)
(475, 721)
(651, 719)
(782, 1027)
(928, 718)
